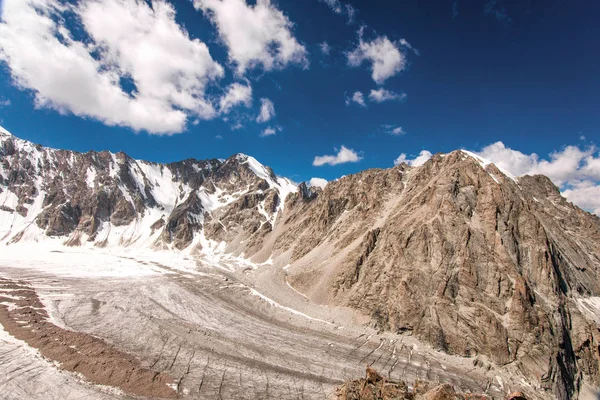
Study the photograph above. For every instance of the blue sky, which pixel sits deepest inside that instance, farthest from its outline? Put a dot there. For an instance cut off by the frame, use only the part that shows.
(447, 74)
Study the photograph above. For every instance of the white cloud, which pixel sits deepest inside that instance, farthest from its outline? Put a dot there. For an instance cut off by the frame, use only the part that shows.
(4, 102)
(236, 126)
(236, 94)
(404, 42)
(381, 95)
(563, 167)
(394, 130)
(127, 40)
(268, 132)
(421, 159)
(357, 98)
(318, 182)
(344, 155)
(219, 137)
(351, 12)
(255, 35)
(385, 57)
(325, 48)
(576, 171)
(335, 5)
(339, 8)
(267, 111)
(586, 196)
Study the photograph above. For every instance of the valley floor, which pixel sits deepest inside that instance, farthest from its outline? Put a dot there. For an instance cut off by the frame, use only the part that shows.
(230, 333)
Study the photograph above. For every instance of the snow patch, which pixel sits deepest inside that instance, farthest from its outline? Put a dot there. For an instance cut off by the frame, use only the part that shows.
(8, 199)
(484, 162)
(590, 308)
(90, 177)
(273, 303)
(283, 185)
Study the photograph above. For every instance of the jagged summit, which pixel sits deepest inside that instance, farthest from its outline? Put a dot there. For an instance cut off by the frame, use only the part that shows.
(112, 199)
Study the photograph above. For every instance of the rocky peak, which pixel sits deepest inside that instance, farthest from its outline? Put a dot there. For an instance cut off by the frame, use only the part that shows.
(463, 255)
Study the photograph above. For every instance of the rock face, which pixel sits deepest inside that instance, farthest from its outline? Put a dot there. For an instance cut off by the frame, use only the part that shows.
(375, 387)
(463, 256)
(457, 252)
(111, 199)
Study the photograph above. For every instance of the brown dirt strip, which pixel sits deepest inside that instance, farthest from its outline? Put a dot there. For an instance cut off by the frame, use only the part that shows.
(92, 357)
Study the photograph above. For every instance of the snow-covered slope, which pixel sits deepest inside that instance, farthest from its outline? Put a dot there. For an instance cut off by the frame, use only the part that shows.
(106, 199)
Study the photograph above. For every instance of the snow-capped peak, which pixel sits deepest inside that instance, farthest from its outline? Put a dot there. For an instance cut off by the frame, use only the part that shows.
(283, 185)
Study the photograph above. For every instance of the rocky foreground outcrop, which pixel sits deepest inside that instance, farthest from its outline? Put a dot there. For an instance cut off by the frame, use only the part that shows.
(456, 252)
(376, 387)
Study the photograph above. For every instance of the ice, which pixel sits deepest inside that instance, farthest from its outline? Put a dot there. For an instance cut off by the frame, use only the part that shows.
(71, 262)
(254, 292)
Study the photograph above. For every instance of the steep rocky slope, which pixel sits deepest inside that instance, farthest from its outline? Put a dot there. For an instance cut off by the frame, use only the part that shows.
(457, 252)
(463, 255)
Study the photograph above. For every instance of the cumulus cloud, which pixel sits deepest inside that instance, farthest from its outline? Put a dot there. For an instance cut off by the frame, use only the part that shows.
(235, 95)
(325, 48)
(255, 35)
(421, 159)
(381, 95)
(4, 102)
(384, 55)
(566, 166)
(344, 155)
(267, 110)
(576, 171)
(125, 40)
(393, 130)
(270, 131)
(375, 96)
(358, 98)
(318, 182)
(586, 195)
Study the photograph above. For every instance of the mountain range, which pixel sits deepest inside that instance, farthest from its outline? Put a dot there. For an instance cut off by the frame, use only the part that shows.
(457, 252)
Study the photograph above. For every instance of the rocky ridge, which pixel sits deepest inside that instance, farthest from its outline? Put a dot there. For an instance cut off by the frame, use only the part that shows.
(107, 199)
